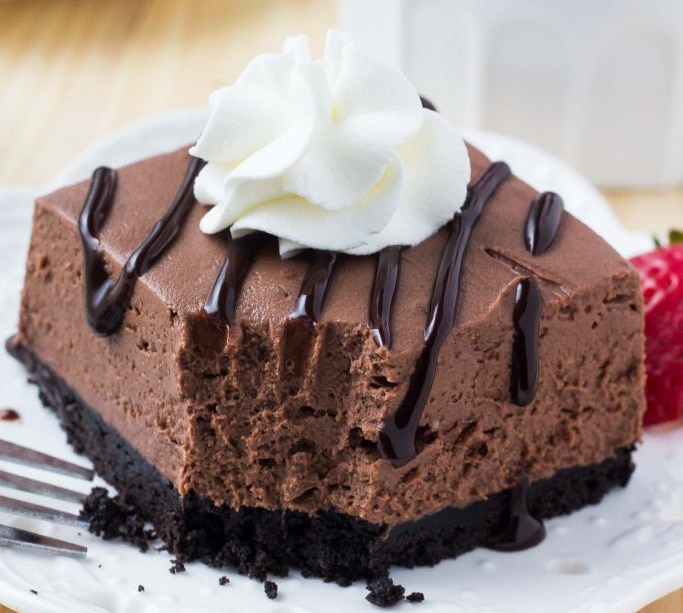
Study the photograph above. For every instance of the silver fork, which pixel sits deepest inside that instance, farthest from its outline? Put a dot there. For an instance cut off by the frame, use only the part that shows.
(14, 537)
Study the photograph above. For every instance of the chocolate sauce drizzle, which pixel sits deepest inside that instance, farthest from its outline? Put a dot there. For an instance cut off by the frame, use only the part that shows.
(540, 231)
(526, 316)
(107, 300)
(220, 305)
(309, 303)
(387, 275)
(397, 439)
(521, 530)
(543, 222)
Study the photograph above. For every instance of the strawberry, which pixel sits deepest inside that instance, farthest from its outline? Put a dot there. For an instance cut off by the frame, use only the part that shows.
(661, 281)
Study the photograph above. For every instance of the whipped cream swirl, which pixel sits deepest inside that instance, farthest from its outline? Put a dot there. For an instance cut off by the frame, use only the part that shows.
(335, 154)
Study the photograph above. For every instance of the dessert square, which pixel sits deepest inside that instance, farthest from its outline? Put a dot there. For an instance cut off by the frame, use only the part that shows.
(336, 413)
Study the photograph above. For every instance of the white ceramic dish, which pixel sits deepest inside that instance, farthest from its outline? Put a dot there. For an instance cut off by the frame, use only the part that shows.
(612, 558)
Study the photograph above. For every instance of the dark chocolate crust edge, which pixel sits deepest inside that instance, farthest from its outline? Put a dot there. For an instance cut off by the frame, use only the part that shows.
(331, 545)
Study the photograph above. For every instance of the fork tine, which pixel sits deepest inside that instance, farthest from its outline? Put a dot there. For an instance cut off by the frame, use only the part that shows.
(29, 509)
(29, 457)
(14, 537)
(38, 487)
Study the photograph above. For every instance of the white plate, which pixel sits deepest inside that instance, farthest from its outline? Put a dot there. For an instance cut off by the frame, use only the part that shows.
(612, 558)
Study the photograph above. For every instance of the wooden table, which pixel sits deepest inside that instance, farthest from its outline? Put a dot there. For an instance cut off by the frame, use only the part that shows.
(74, 70)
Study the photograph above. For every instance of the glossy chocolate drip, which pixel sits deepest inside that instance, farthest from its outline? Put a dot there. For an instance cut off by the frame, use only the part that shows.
(107, 300)
(385, 285)
(309, 304)
(220, 305)
(526, 316)
(521, 530)
(9, 415)
(397, 439)
(543, 222)
(387, 274)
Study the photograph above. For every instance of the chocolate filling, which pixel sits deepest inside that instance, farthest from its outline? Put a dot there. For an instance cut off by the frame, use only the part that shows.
(106, 300)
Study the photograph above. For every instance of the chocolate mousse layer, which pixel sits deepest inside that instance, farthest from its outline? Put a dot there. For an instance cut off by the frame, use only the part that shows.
(281, 413)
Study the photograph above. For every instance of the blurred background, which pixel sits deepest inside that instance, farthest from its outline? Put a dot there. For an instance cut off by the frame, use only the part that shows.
(73, 71)
(597, 82)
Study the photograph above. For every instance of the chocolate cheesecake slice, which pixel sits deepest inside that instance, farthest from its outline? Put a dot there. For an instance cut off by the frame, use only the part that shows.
(330, 412)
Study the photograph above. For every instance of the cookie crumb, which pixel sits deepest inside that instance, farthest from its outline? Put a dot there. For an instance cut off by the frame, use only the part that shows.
(178, 565)
(112, 518)
(223, 581)
(9, 415)
(383, 592)
(415, 597)
(270, 588)
(141, 588)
